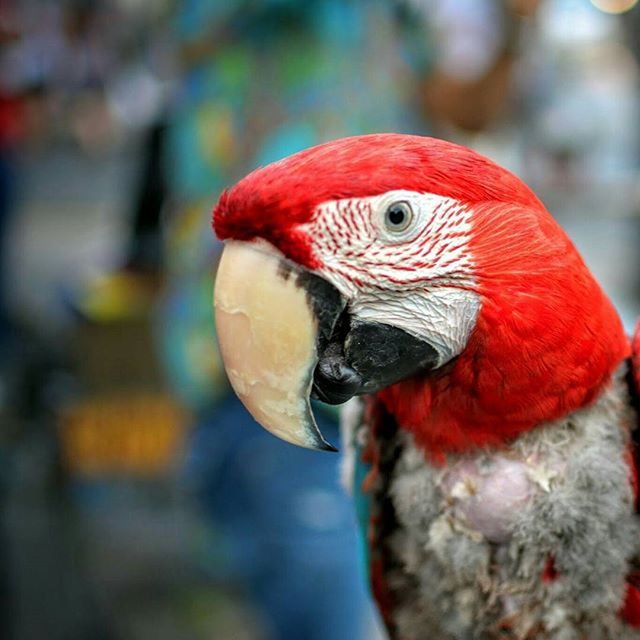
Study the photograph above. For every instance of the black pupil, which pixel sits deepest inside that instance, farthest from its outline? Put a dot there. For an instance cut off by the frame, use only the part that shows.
(396, 215)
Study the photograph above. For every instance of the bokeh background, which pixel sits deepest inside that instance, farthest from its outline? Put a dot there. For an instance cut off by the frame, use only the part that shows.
(138, 501)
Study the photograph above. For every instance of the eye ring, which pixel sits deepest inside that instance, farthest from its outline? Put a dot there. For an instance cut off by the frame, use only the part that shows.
(398, 216)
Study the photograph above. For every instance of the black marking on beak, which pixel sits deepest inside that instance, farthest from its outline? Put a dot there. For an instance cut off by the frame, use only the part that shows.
(335, 381)
(383, 354)
(365, 357)
(356, 357)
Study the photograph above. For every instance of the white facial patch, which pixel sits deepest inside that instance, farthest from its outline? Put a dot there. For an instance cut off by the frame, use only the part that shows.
(402, 258)
(444, 316)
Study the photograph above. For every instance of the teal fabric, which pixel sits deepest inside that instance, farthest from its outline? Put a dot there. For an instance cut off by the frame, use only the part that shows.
(363, 510)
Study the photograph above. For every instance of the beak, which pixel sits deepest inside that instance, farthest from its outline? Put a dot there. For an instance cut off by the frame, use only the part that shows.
(273, 319)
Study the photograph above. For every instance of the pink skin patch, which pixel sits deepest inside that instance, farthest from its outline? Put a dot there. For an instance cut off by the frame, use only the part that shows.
(488, 495)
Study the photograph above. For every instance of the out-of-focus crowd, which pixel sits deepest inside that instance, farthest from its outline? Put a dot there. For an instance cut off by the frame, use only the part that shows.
(137, 498)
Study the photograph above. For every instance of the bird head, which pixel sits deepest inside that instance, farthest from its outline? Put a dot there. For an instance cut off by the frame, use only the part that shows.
(414, 270)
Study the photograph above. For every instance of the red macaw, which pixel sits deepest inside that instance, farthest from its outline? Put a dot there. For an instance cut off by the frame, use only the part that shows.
(491, 386)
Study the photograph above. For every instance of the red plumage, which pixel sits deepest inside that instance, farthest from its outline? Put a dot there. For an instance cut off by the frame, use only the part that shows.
(273, 201)
(545, 343)
(547, 339)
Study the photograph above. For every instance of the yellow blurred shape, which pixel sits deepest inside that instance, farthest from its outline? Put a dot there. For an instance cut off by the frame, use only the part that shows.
(119, 295)
(138, 434)
(614, 6)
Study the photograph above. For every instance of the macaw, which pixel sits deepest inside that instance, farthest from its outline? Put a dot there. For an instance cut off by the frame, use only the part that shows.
(490, 388)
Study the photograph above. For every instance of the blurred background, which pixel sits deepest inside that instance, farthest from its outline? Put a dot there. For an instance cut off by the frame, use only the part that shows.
(138, 501)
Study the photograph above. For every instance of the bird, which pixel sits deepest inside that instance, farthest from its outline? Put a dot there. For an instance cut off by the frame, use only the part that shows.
(489, 390)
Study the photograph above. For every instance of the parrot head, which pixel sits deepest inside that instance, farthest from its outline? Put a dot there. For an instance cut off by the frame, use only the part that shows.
(414, 270)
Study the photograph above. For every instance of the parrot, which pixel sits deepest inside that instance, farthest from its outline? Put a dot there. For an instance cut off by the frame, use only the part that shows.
(489, 390)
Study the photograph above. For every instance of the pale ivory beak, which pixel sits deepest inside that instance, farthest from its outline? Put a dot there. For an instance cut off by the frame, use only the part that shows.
(267, 332)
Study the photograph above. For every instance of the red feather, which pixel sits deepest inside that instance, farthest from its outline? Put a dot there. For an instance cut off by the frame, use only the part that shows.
(630, 611)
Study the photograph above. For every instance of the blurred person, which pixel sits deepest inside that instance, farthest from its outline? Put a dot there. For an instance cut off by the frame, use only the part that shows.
(11, 111)
(475, 91)
(60, 64)
(97, 74)
(15, 98)
(261, 80)
(476, 47)
(131, 288)
(10, 116)
(131, 106)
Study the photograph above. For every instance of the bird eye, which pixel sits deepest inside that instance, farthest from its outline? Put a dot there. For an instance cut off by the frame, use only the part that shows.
(398, 216)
